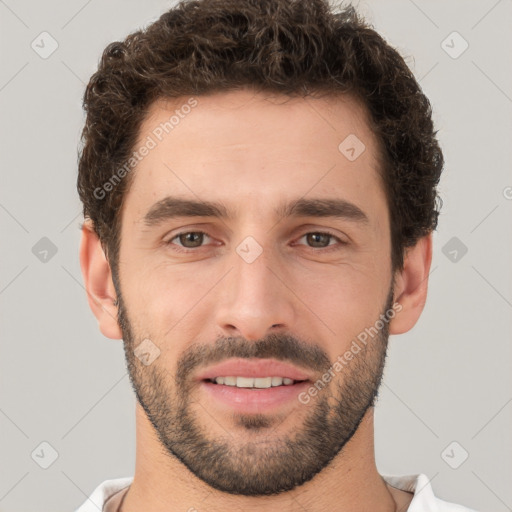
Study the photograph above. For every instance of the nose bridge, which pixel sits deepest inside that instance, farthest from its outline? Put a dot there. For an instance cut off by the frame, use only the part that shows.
(254, 300)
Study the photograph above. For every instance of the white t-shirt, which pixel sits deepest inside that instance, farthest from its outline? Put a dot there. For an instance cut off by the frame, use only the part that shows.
(108, 495)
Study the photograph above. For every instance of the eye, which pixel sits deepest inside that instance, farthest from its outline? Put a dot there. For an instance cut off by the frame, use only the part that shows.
(188, 240)
(321, 239)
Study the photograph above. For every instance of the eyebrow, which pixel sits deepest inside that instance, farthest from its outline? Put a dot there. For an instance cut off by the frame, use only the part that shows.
(174, 207)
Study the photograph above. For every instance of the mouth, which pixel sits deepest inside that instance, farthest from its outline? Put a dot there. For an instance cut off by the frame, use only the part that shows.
(253, 385)
(254, 382)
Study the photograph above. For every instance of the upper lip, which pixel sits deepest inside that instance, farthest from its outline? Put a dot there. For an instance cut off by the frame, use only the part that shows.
(239, 367)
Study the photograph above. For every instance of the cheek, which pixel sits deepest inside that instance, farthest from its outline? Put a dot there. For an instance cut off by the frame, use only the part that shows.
(345, 299)
(166, 293)
(159, 304)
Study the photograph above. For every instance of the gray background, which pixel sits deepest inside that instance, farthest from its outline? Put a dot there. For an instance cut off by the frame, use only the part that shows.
(62, 382)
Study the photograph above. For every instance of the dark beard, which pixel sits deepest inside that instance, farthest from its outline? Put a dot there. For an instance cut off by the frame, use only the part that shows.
(273, 464)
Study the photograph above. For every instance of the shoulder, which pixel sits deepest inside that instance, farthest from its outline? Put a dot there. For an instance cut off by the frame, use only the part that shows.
(424, 499)
(102, 493)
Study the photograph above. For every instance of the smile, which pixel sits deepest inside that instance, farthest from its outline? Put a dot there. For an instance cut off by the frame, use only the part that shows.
(254, 382)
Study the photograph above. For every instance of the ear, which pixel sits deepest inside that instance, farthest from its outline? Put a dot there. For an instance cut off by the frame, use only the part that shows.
(411, 285)
(97, 276)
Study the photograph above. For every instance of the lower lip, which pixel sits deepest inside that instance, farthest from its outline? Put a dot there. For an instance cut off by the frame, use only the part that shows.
(252, 400)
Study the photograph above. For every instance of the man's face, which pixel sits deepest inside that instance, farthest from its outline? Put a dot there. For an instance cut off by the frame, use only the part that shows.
(262, 285)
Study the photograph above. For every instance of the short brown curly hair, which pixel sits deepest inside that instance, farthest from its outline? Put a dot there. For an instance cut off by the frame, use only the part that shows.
(293, 47)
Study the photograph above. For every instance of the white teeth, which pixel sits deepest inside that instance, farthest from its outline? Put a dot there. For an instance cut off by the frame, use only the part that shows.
(244, 382)
(254, 382)
(277, 381)
(229, 381)
(263, 382)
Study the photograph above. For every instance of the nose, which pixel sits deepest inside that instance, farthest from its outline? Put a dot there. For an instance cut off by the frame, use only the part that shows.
(256, 299)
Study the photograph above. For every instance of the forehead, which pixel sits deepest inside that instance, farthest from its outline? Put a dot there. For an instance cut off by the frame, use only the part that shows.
(248, 116)
(251, 148)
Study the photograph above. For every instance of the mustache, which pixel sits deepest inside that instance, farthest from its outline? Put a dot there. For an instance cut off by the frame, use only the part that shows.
(283, 347)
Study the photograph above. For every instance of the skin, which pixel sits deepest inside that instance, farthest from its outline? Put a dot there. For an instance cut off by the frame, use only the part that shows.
(252, 151)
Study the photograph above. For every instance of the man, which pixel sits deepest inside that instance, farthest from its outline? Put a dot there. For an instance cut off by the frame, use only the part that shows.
(259, 187)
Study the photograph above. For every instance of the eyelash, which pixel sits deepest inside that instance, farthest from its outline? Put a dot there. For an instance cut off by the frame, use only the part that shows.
(180, 249)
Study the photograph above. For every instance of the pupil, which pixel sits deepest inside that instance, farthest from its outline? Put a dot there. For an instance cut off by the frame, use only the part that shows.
(316, 236)
(188, 238)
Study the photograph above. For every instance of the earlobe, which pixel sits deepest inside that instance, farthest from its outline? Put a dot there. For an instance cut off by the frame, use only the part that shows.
(411, 285)
(97, 276)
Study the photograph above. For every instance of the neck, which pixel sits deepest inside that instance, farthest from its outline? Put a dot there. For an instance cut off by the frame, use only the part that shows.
(351, 482)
